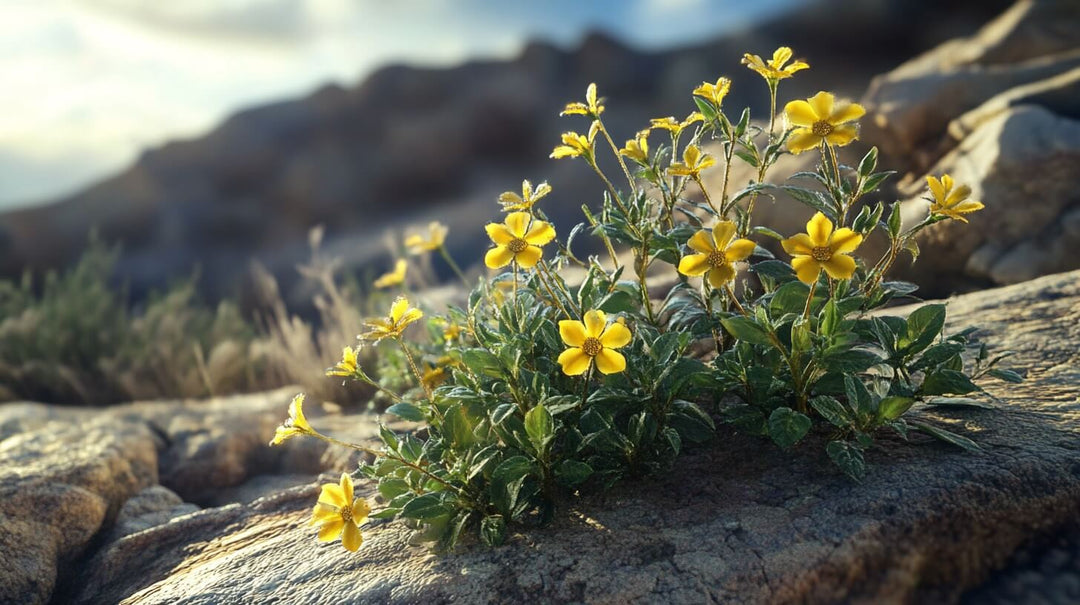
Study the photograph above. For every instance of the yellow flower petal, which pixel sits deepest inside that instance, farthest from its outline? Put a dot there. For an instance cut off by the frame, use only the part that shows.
(694, 265)
(840, 266)
(517, 223)
(961, 193)
(595, 322)
(397, 310)
(610, 362)
(721, 275)
(360, 510)
(323, 513)
(936, 188)
(800, 113)
(967, 207)
(574, 361)
(842, 135)
(739, 250)
(331, 531)
(616, 336)
(409, 317)
(819, 228)
(806, 269)
(351, 538)
(779, 57)
(800, 244)
(540, 233)
(803, 139)
(722, 232)
(844, 240)
(499, 233)
(702, 242)
(572, 332)
(346, 488)
(333, 495)
(822, 103)
(846, 113)
(498, 257)
(527, 258)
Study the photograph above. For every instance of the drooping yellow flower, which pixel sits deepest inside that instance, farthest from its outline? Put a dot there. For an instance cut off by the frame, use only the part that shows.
(340, 514)
(347, 366)
(591, 107)
(673, 126)
(434, 376)
(436, 237)
(774, 70)
(694, 161)
(575, 145)
(452, 331)
(517, 240)
(822, 248)
(819, 120)
(511, 201)
(637, 148)
(716, 254)
(953, 203)
(401, 315)
(295, 425)
(395, 277)
(714, 93)
(593, 340)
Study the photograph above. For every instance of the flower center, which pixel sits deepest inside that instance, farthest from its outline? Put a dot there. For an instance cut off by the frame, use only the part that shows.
(592, 346)
(517, 245)
(821, 253)
(716, 259)
(822, 128)
(346, 513)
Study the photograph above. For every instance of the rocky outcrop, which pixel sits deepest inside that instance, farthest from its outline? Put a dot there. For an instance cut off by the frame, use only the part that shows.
(734, 522)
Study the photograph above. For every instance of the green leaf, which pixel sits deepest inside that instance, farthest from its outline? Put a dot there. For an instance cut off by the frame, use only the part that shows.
(848, 457)
(776, 270)
(692, 422)
(789, 298)
(787, 427)
(868, 163)
(540, 427)
(388, 437)
(937, 355)
(891, 408)
(947, 382)
(959, 402)
(458, 427)
(746, 330)
(1006, 375)
(428, 506)
(830, 318)
(923, 326)
(706, 108)
(831, 410)
(894, 221)
(482, 361)
(572, 473)
(493, 530)
(874, 181)
(392, 487)
(406, 411)
(746, 418)
(946, 436)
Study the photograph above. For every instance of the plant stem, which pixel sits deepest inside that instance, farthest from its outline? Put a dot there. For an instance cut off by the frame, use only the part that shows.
(391, 456)
(453, 265)
(416, 372)
(618, 156)
(697, 179)
(809, 300)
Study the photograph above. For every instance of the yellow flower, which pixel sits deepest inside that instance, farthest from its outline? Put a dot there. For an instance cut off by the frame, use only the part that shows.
(517, 240)
(714, 93)
(511, 201)
(296, 423)
(674, 127)
(716, 254)
(347, 366)
(953, 203)
(401, 315)
(693, 163)
(340, 514)
(434, 376)
(451, 332)
(575, 145)
(436, 237)
(820, 120)
(395, 277)
(637, 148)
(593, 340)
(822, 248)
(591, 107)
(774, 70)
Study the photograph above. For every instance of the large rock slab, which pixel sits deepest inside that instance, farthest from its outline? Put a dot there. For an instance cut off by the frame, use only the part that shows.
(736, 522)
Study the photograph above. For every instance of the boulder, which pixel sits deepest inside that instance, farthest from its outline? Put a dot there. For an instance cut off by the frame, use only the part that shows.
(739, 521)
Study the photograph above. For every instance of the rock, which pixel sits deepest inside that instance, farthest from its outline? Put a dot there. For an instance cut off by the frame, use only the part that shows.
(1021, 165)
(734, 522)
(910, 107)
(60, 484)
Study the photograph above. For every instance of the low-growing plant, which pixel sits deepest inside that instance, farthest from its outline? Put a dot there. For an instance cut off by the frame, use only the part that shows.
(546, 388)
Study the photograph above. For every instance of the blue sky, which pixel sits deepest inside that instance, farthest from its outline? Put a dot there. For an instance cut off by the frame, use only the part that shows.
(89, 83)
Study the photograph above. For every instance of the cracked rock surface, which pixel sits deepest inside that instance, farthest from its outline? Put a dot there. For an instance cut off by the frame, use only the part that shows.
(738, 521)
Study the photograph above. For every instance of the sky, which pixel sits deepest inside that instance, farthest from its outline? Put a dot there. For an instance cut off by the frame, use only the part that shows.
(88, 84)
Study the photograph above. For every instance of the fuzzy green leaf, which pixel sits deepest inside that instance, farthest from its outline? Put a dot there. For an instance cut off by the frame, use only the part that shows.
(787, 427)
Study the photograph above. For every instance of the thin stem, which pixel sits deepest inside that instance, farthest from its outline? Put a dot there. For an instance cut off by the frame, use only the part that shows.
(809, 300)
(554, 297)
(377, 454)
(585, 385)
(735, 301)
(416, 372)
(611, 189)
(728, 154)
(772, 107)
(618, 156)
(515, 283)
(453, 265)
(701, 185)
(560, 286)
